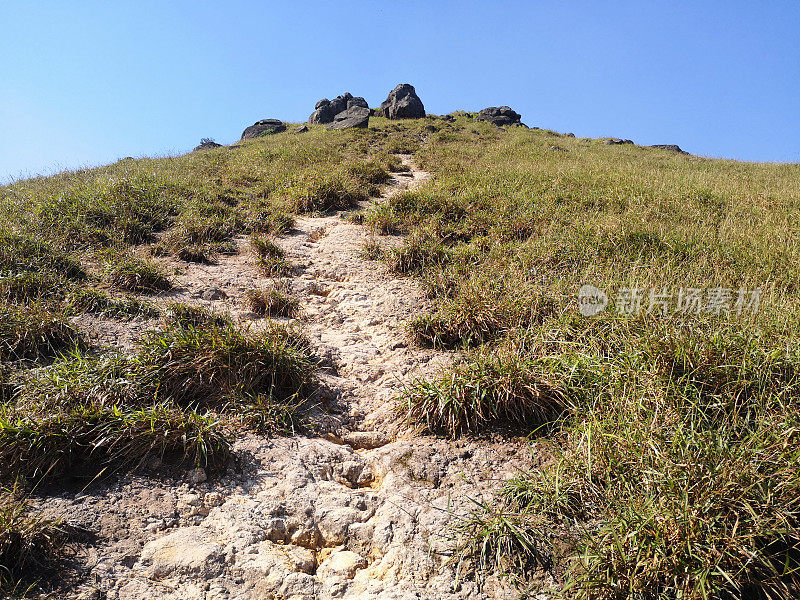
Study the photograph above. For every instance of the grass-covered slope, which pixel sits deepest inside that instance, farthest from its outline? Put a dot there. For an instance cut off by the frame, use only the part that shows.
(673, 468)
(669, 438)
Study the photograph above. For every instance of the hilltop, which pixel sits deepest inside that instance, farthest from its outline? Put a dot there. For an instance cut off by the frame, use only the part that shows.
(352, 358)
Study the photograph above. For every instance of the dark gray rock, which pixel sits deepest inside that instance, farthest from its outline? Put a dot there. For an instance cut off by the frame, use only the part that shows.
(326, 111)
(616, 142)
(207, 144)
(323, 113)
(499, 115)
(301, 129)
(448, 118)
(670, 147)
(357, 101)
(356, 116)
(339, 104)
(263, 127)
(403, 103)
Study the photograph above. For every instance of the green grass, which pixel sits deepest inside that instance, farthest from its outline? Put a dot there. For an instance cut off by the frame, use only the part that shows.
(30, 545)
(137, 275)
(667, 442)
(672, 446)
(485, 390)
(64, 409)
(275, 301)
(91, 301)
(174, 398)
(34, 333)
(271, 260)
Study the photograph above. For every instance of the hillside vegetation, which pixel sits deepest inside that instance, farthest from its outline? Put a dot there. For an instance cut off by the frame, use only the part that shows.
(669, 439)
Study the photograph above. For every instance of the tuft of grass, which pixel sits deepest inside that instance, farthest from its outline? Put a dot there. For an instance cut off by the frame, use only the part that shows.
(32, 286)
(326, 192)
(20, 255)
(205, 366)
(137, 275)
(419, 253)
(487, 390)
(275, 221)
(188, 316)
(34, 333)
(372, 250)
(30, 545)
(270, 258)
(276, 301)
(96, 302)
(90, 440)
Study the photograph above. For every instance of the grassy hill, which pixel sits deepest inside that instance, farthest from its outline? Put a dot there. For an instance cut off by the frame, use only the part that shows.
(668, 424)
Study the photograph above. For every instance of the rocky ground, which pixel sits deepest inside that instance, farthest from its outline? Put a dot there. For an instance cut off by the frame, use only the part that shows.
(361, 511)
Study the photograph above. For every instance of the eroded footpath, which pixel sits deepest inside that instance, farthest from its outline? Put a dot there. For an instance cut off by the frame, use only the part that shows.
(360, 511)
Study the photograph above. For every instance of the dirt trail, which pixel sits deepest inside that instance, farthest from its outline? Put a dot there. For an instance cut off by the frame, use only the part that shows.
(361, 512)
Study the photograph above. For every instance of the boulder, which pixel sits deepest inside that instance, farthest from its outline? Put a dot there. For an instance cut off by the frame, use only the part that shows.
(616, 142)
(403, 103)
(301, 129)
(670, 147)
(339, 104)
(356, 116)
(322, 114)
(357, 101)
(326, 111)
(263, 127)
(499, 115)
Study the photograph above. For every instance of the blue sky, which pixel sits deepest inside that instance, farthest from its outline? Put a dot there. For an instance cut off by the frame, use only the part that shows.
(85, 83)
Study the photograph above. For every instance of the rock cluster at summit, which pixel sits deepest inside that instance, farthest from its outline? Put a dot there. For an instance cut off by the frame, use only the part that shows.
(347, 111)
(403, 103)
(342, 112)
(263, 127)
(500, 116)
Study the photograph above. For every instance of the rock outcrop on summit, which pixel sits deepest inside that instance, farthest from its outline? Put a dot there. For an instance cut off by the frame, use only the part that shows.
(500, 116)
(326, 111)
(670, 147)
(263, 127)
(403, 103)
(355, 116)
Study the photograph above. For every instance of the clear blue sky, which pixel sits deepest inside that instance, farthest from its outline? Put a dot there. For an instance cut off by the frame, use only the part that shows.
(84, 83)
